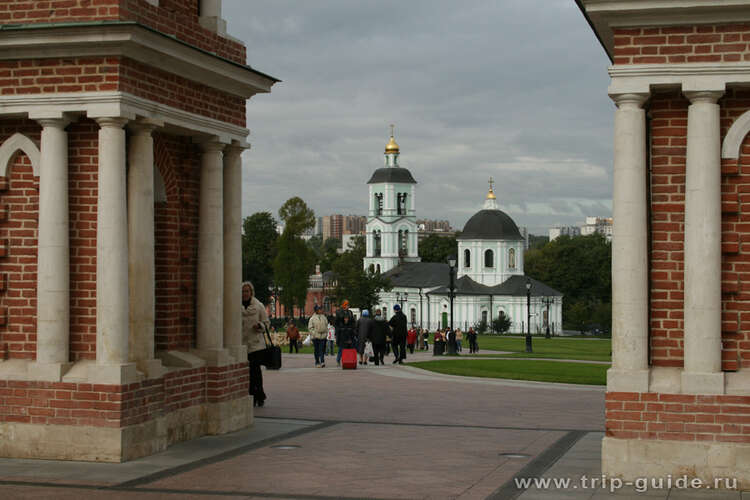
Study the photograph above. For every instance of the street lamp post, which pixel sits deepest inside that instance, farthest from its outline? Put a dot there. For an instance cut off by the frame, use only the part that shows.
(451, 269)
(547, 301)
(528, 315)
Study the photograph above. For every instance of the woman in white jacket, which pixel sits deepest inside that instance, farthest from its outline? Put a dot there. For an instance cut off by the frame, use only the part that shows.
(254, 323)
(318, 328)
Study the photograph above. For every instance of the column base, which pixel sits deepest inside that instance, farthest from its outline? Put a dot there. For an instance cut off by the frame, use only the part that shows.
(214, 357)
(627, 380)
(702, 383)
(153, 368)
(125, 373)
(238, 352)
(52, 372)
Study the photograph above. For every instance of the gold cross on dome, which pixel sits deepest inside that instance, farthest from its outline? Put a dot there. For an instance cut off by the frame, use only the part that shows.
(491, 183)
(392, 127)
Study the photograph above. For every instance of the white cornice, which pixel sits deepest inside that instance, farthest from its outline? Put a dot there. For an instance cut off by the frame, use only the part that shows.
(606, 14)
(642, 78)
(140, 44)
(115, 104)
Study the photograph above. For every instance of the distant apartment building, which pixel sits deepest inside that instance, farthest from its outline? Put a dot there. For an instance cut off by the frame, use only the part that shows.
(601, 225)
(335, 226)
(525, 233)
(557, 231)
(434, 226)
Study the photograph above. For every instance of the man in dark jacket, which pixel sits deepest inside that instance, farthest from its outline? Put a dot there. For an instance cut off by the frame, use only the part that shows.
(398, 342)
(378, 333)
(344, 325)
(364, 327)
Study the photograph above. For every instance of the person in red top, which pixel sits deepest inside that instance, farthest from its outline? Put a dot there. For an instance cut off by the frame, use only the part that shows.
(411, 339)
(292, 333)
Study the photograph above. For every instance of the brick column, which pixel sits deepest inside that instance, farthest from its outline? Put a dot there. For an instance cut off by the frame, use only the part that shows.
(113, 364)
(141, 254)
(210, 286)
(629, 370)
(702, 367)
(233, 252)
(53, 261)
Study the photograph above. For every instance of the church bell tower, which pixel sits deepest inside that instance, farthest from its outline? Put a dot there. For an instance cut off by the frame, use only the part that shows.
(391, 219)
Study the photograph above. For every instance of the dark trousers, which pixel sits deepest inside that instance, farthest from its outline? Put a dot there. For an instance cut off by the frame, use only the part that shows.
(411, 348)
(320, 350)
(255, 388)
(399, 349)
(293, 343)
(379, 352)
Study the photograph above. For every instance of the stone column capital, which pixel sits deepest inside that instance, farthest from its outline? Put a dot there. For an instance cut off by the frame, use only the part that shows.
(58, 123)
(212, 146)
(235, 149)
(632, 100)
(112, 122)
(144, 126)
(704, 96)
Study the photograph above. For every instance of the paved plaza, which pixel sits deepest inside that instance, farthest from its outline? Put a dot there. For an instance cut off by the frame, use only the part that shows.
(387, 432)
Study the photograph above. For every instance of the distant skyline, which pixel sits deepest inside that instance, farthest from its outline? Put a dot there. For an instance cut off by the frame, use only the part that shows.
(513, 89)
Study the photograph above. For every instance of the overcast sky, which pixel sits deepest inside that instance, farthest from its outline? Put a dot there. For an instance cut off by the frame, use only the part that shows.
(513, 89)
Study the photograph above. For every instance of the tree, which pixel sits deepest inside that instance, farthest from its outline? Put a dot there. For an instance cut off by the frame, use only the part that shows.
(294, 261)
(536, 242)
(326, 252)
(354, 283)
(258, 250)
(436, 248)
(501, 324)
(579, 267)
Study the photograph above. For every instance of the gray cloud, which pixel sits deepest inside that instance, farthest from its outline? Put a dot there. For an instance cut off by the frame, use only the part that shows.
(514, 89)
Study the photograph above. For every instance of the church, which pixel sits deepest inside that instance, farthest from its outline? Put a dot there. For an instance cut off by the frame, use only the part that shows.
(489, 279)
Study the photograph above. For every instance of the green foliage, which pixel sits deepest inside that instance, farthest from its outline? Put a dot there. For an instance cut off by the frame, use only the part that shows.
(258, 250)
(580, 268)
(436, 248)
(297, 216)
(480, 327)
(294, 261)
(501, 324)
(536, 242)
(553, 348)
(543, 371)
(355, 284)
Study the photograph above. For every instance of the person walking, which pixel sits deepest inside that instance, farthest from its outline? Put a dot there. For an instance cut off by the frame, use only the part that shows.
(364, 329)
(378, 334)
(459, 338)
(411, 339)
(426, 339)
(472, 340)
(292, 333)
(254, 323)
(318, 328)
(398, 337)
(331, 338)
(344, 329)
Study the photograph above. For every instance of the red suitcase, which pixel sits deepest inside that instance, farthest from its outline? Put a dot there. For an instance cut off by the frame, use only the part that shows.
(349, 359)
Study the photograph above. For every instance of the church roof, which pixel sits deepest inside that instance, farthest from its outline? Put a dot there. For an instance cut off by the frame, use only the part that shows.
(490, 225)
(392, 174)
(419, 275)
(514, 286)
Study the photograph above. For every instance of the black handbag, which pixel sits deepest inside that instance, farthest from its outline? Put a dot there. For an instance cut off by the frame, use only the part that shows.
(271, 358)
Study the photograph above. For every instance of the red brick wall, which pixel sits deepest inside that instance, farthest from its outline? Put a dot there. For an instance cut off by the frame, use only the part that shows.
(178, 160)
(90, 74)
(19, 206)
(178, 18)
(682, 44)
(678, 417)
(119, 405)
(668, 112)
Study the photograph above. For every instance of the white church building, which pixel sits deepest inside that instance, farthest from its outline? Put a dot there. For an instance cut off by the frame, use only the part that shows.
(489, 279)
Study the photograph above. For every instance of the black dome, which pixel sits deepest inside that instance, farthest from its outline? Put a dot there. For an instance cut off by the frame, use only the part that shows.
(490, 225)
(392, 174)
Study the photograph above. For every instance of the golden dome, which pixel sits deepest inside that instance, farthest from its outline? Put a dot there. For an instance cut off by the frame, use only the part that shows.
(491, 195)
(391, 147)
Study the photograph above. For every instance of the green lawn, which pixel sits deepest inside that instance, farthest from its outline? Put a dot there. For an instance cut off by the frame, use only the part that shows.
(542, 371)
(553, 348)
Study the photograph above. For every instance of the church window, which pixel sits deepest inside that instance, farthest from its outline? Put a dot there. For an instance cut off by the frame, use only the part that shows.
(403, 241)
(467, 258)
(512, 258)
(376, 237)
(372, 268)
(401, 207)
(377, 269)
(484, 317)
(378, 203)
(489, 259)
(413, 316)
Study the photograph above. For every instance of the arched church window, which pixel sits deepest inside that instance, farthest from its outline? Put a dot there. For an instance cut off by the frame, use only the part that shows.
(378, 248)
(377, 269)
(489, 258)
(378, 203)
(512, 258)
(467, 258)
(372, 268)
(403, 241)
(484, 317)
(402, 204)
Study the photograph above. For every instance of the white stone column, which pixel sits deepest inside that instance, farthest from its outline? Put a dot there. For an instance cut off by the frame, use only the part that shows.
(629, 370)
(141, 248)
(702, 338)
(210, 16)
(210, 286)
(233, 252)
(113, 364)
(53, 260)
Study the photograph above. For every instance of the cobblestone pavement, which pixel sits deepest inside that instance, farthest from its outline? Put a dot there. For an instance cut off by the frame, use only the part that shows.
(378, 432)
